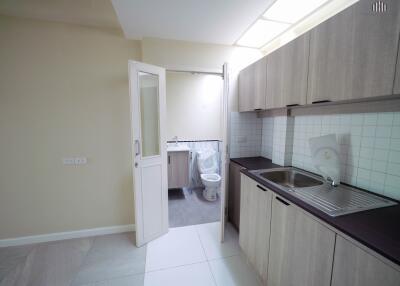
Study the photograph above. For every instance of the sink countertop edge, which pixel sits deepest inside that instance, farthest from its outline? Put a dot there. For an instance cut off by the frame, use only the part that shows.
(352, 225)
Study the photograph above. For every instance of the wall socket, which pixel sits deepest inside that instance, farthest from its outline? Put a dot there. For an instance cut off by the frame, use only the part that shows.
(75, 161)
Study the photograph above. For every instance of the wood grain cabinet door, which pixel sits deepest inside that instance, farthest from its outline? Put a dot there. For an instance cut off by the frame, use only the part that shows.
(353, 54)
(301, 249)
(260, 83)
(246, 89)
(287, 70)
(255, 217)
(355, 267)
(252, 86)
(178, 169)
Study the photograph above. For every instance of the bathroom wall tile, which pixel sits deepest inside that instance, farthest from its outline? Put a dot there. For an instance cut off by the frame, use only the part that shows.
(394, 157)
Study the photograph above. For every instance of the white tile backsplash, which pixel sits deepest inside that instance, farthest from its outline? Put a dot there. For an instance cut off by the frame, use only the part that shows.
(245, 137)
(369, 148)
(369, 144)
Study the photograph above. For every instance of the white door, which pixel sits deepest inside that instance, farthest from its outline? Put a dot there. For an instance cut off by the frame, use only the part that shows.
(148, 115)
(224, 153)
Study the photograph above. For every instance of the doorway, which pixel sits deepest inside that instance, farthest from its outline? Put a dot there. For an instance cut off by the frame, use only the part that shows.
(194, 129)
(149, 133)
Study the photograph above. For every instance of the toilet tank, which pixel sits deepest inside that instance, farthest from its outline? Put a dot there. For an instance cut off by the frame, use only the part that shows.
(207, 161)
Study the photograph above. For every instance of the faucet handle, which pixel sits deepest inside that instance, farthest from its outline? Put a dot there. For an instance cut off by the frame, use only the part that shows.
(331, 182)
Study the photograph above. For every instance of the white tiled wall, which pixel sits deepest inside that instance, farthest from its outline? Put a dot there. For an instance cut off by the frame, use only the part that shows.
(369, 147)
(267, 137)
(245, 139)
(369, 144)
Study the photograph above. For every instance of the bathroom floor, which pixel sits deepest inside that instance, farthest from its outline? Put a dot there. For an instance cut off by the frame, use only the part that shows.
(191, 255)
(188, 207)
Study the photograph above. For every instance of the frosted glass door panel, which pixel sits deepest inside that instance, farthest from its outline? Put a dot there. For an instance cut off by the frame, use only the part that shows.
(149, 114)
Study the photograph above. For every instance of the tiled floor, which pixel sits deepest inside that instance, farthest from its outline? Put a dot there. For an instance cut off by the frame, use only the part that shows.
(189, 255)
(189, 207)
(193, 255)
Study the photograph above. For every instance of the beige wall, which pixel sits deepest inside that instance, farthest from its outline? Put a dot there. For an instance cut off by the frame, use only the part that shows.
(194, 106)
(63, 93)
(182, 55)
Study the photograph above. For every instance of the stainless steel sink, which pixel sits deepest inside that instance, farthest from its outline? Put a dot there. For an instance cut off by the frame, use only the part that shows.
(290, 178)
(312, 189)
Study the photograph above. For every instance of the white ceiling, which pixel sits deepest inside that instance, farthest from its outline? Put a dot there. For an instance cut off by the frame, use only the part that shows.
(98, 13)
(209, 21)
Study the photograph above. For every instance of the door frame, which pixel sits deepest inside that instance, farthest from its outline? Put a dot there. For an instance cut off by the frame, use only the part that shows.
(225, 149)
(135, 124)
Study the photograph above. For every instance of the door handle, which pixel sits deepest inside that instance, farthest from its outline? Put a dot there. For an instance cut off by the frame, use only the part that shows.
(320, 101)
(137, 147)
(261, 188)
(282, 201)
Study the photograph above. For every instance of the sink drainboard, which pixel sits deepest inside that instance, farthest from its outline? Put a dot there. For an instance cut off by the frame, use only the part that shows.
(339, 201)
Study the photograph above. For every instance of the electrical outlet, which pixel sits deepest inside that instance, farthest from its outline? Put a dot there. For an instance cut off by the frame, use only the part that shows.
(80, 161)
(69, 161)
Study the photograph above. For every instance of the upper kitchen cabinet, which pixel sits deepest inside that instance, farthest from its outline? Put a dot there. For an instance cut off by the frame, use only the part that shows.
(252, 86)
(287, 70)
(353, 54)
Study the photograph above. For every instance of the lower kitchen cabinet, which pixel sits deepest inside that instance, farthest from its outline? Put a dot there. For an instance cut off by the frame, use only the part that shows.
(301, 249)
(353, 266)
(255, 217)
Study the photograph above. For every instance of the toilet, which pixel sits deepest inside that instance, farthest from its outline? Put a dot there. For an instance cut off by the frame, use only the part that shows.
(207, 164)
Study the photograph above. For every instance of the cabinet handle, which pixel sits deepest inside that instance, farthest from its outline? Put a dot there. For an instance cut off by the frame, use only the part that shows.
(320, 101)
(257, 109)
(290, 105)
(169, 159)
(261, 188)
(282, 201)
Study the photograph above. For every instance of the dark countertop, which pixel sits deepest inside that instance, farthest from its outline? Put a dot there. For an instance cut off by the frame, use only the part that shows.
(255, 163)
(378, 229)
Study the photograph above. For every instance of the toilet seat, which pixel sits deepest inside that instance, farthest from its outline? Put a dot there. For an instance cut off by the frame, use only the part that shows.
(211, 177)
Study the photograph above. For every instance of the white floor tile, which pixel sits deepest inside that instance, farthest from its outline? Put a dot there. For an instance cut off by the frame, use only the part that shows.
(132, 280)
(194, 275)
(180, 246)
(233, 271)
(210, 239)
(112, 256)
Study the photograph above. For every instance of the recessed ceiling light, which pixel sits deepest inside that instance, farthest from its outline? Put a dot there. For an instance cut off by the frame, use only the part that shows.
(290, 11)
(261, 32)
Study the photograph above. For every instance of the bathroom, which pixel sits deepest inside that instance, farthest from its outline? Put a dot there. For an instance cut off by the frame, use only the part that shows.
(194, 103)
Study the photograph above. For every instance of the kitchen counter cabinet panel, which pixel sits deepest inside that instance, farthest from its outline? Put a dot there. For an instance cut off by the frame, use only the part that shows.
(301, 249)
(255, 220)
(355, 267)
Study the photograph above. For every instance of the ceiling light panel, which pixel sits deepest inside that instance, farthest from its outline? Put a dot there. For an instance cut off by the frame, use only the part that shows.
(291, 11)
(261, 32)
